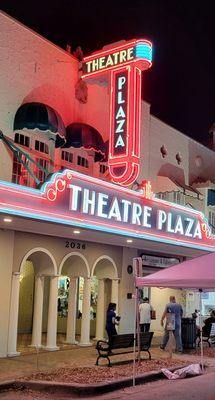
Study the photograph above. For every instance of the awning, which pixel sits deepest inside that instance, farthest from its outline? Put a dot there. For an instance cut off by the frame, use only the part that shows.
(186, 187)
(43, 117)
(83, 135)
(172, 185)
(167, 183)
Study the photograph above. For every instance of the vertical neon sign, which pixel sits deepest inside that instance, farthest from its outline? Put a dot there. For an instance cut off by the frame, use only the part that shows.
(125, 63)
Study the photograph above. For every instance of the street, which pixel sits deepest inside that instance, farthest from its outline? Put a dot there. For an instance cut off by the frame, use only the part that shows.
(198, 388)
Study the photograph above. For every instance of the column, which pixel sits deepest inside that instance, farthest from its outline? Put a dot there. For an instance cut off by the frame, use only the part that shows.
(100, 310)
(52, 315)
(115, 293)
(36, 339)
(71, 318)
(13, 320)
(85, 322)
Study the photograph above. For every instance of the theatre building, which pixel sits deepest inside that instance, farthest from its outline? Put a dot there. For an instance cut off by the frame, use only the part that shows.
(89, 180)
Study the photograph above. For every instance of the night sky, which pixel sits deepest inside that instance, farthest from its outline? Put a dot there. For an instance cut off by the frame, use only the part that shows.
(181, 84)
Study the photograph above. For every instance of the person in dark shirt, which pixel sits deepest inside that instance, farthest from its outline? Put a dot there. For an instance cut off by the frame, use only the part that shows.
(111, 321)
(176, 310)
(206, 329)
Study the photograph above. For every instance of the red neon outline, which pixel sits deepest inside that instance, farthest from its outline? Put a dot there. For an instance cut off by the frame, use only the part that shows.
(137, 61)
(69, 175)
(121, 46)
(143, 63)
(93, 222)
(97, 223)
(130, 160)
(112, 115)
(17, 191)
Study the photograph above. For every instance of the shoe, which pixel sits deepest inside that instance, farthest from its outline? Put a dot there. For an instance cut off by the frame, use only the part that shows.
(161, 347)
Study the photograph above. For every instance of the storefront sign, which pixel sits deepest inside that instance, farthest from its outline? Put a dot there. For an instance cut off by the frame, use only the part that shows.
(124, 62)
(157, 261)
(75, 199)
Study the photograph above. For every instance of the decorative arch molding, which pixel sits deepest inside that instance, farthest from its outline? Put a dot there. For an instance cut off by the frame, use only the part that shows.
(105, 257)
(72, 254)
(37, 250)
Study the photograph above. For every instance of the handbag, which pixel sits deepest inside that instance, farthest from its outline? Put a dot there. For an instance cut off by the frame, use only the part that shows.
(153, 314)
(170, 322)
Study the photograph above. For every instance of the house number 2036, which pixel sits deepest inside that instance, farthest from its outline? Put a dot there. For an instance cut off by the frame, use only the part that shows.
(74, 245)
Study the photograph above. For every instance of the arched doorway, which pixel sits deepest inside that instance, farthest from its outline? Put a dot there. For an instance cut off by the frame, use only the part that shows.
(106, 274)
(76, 272)
(34, 300)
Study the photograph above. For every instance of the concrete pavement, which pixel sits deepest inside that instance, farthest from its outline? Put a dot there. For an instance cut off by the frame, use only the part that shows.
(197, 388)
(31, 362)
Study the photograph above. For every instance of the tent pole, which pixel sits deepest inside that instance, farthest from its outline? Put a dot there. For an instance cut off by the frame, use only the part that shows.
(135, 331)
(138, 326)
(200, 321)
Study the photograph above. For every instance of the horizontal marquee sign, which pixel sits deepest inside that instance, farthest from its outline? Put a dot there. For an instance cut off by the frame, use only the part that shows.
(122, 64)
(75, 199)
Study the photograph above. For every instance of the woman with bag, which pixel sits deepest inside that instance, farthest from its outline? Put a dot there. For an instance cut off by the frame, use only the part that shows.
(146, 314)
(111, 321)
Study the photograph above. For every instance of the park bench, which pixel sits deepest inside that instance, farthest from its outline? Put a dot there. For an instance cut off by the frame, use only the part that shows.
(210, 338)
(120, 342)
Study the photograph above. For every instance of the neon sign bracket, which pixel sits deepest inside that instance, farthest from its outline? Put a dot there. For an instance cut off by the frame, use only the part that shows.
(125, 63)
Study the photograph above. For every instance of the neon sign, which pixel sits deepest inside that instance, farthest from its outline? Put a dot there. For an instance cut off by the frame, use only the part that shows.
(125, 62)
(75, 199)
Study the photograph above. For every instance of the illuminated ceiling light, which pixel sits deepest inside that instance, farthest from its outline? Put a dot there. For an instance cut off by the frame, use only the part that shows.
(129, 241)
(7, 220)
(76, 232)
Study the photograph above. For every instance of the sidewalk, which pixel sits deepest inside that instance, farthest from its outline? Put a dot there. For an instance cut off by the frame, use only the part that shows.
(73, 356)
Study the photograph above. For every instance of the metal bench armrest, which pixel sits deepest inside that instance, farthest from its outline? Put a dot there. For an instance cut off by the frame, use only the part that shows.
(102, 345)
(103, 349)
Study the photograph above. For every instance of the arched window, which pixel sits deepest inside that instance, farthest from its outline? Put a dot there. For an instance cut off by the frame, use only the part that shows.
(19, 172)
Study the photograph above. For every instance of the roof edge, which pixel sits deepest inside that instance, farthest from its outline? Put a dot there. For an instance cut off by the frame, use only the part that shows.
(38, 35)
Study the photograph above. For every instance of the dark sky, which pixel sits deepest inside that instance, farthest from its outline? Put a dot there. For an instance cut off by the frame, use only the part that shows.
(181, 84)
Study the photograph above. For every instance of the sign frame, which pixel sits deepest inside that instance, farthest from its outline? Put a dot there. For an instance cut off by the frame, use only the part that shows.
(129, 58)
(52, 203)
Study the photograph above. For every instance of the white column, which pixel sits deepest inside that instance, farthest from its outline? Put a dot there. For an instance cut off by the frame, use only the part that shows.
(100, 316)
(85, 322)
(52, 315)
(36, 339)
(115, 293)
(13, 319)
(71, 318)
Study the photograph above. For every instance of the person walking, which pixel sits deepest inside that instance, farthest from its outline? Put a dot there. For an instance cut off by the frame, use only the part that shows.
(145, 315)
(111, 321)
(174, 311)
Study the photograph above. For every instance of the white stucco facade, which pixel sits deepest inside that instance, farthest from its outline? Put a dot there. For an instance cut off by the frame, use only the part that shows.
(34, 256)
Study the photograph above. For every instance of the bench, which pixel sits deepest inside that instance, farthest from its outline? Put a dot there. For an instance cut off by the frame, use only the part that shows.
(210, 339)
(124, 341)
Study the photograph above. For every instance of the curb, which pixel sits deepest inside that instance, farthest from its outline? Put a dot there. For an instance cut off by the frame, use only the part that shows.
(5, 385)
(84, 390)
